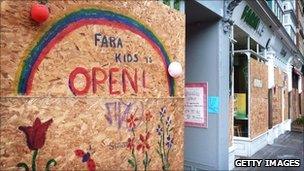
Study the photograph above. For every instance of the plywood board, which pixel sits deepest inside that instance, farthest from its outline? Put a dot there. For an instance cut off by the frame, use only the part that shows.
(99, 48)
(103, 125)
(93, 81)
(277, 100)
(230, 119)
(295, 105)
(258, 99)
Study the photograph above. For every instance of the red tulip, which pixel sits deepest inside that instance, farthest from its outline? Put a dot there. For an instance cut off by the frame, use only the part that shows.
(35, 135)
(39, 12)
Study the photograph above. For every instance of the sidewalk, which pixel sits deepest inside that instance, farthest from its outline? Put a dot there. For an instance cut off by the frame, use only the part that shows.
(286, 146)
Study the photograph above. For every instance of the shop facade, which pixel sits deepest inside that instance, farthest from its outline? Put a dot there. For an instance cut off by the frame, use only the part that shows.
(264, 88)
(266, 82)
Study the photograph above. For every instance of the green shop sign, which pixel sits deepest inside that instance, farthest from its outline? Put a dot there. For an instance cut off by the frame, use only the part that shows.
(250, 18)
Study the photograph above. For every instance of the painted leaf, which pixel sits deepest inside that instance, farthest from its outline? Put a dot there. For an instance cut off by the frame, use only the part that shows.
(23, 165)
(50, 163)
(131, 163)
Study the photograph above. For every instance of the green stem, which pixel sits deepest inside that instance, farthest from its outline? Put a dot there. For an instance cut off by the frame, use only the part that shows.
(133, 154)
(147, 162)
(167, 155)
(160, 151)
(133, 132)
(168, 158)
(163, 144)
(135, 162)
(35, 153)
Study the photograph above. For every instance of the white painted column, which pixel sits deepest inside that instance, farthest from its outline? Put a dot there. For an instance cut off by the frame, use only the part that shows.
(248, 54)
(289, 88)
(300, 84)
(271, 83)
(172, 3)
(289, 77)
(270, 56)
(182, 6)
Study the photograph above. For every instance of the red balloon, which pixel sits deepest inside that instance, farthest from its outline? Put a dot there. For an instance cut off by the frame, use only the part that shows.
(39, 12)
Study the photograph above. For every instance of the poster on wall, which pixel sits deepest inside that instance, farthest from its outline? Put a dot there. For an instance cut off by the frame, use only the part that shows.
(240, 106)
(196, 105)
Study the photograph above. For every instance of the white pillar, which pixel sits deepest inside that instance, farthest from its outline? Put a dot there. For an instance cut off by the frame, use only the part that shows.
(172, 3)
(270, 56)
(289, 76)
(248, 54)
(182, 6)
(300, 84)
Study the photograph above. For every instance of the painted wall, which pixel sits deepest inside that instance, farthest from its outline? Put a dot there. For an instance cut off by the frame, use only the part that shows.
(207, 60)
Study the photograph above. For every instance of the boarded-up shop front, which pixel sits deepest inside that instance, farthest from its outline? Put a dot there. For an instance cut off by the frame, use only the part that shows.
(258, 98)
(89, 88)
(250, 87)
(295, 111)
(260, 81)
(279, 98)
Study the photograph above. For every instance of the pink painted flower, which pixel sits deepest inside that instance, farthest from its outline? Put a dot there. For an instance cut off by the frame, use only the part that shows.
(144, 145)
(148, 116)
(131, 144)
(131, 121)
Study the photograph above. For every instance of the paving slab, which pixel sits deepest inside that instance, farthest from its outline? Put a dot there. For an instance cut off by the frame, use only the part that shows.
(287, 146)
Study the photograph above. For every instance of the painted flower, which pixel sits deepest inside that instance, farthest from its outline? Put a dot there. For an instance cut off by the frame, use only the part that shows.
(144, 145)
(131, 144)
(131, 121)
(169, 142)
(148, 116)
(163, 110)
(159, 130)
(86, 158)
(35, 135)
(91, 165)
(168, 121)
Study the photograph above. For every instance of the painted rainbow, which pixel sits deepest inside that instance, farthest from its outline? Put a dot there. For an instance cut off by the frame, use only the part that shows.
(71, 22)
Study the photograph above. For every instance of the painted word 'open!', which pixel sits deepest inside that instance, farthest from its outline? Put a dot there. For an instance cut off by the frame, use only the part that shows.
(112, 77)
